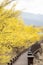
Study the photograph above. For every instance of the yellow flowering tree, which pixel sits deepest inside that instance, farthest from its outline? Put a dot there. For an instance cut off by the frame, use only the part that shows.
(14, 33)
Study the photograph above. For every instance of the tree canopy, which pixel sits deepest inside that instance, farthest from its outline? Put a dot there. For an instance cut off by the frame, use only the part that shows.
(14, 33)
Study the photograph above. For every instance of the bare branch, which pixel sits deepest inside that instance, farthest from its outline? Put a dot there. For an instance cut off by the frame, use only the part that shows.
(6, 3)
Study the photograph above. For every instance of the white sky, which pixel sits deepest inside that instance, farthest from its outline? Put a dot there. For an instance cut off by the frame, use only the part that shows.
(30, 6)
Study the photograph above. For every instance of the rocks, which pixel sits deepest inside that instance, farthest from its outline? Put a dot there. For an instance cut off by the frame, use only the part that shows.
(39, 59)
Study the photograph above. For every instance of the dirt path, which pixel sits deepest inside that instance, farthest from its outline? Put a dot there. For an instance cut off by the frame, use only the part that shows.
(22, 60)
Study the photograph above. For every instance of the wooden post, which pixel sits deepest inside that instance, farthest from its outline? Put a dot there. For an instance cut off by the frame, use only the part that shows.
(30, 58)
(8, 63)
(11, 62)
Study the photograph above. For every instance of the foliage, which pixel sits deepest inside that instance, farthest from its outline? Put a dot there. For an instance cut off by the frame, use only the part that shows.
(14, 33)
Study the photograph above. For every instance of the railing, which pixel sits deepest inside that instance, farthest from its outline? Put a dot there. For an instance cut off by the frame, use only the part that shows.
(33, 51)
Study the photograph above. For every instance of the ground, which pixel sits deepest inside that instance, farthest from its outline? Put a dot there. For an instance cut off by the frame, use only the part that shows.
(22, 60)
